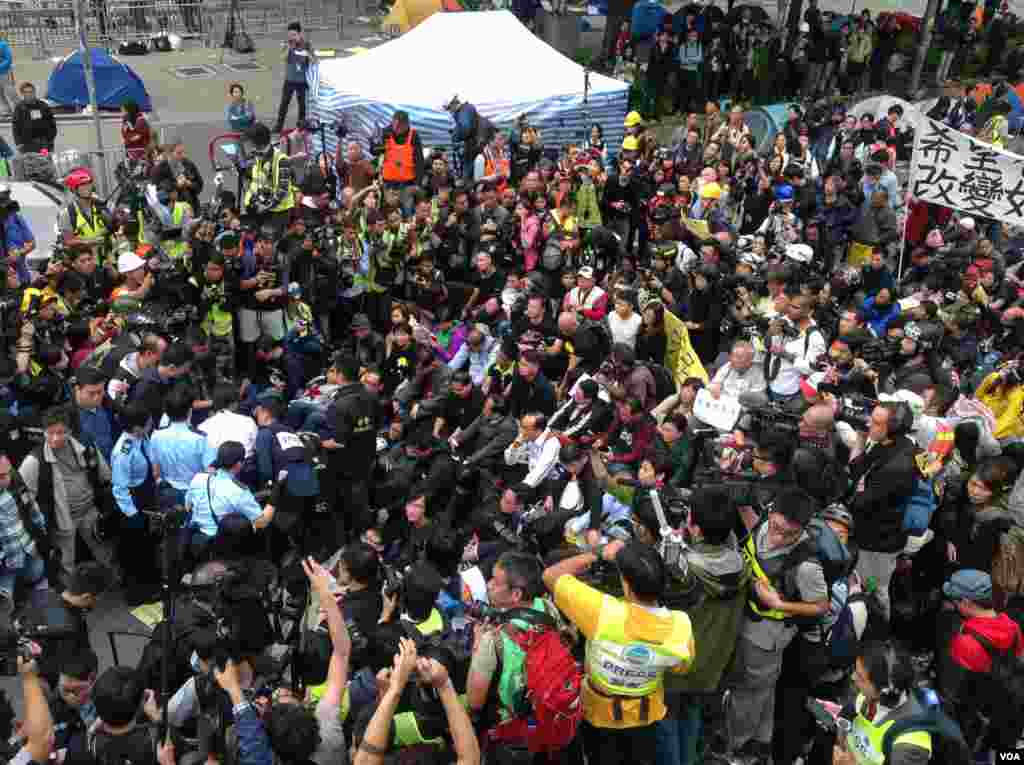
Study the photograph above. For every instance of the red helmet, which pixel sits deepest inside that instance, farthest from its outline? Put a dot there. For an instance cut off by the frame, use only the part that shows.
(78, 177)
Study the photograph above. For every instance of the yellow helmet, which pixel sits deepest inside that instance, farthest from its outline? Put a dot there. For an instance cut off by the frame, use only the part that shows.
(633, 119)
(629, 143)
(711, 191)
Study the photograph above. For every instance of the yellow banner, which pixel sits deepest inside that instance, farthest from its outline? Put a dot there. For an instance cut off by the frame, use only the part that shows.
(698, 228)
(680, 357)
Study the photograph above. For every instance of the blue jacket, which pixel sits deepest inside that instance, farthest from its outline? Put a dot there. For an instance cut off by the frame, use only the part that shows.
(17, 233)
(253, 744)
(6, 58)
(878, 317)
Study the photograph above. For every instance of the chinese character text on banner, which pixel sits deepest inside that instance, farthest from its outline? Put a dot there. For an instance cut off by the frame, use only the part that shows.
(952, 169)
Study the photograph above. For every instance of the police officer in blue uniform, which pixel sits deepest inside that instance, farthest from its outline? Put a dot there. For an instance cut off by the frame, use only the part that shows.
(280, 452)
(134, 490)
(221, 506)
(178, 451)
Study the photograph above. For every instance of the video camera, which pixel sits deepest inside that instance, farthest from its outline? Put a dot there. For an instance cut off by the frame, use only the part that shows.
(856, 409)
(768, 417)
(172, 324)
(880, 350)
(39, 626)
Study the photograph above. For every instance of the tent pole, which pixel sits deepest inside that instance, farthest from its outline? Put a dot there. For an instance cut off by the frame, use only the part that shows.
(90, 83)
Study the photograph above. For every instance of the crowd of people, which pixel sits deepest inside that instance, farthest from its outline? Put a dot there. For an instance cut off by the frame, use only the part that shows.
(661, 453)
(700, 52)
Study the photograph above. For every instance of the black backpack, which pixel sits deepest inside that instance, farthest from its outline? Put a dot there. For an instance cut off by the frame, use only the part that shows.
(133, 48)
(949, 749)
(1007, 668)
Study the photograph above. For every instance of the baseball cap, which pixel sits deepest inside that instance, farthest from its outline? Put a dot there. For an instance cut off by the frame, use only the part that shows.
(129, 262)
(586, 272)
(229, 453)
(969, 584)
(968, 223)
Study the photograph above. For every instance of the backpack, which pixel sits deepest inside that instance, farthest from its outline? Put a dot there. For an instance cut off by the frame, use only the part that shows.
(664, 382)
(919, 507)
(1007, 668)
(133, 48)
(553, 680)
(951, 747)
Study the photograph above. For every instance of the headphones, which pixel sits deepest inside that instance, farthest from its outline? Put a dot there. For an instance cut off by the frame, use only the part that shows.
(901, 418)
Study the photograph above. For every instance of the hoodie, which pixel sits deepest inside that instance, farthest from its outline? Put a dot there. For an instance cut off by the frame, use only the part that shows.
(713, 593)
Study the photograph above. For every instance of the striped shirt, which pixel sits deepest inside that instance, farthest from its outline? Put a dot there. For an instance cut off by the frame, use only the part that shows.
(15, 541)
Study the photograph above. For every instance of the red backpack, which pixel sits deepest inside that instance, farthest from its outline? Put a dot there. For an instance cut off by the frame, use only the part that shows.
(553, 682)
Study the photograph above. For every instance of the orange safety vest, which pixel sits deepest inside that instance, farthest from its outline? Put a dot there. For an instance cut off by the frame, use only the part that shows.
(399, 162)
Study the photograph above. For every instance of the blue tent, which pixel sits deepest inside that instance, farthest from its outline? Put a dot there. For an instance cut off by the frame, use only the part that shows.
(115, 82)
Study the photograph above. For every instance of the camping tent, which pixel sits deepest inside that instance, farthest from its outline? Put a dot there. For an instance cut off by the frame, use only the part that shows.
(406, 14)
(115, 82)
(468, 54)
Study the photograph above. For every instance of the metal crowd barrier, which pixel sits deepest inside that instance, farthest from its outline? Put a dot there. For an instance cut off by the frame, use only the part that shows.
(48, 30)
(136, 20)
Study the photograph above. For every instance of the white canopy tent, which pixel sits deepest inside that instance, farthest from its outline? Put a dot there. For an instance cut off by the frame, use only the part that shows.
(486, 58)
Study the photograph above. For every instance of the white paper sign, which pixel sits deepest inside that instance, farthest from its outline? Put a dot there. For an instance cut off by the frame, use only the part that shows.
(720, 413)
(952, 169)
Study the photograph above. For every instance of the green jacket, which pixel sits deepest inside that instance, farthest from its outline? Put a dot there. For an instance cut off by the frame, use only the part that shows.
(713, 594)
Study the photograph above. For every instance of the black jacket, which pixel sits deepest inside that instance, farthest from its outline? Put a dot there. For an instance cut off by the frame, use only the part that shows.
(33, 126)
(486, 439)
(163, 173)
(888, 473)
(354, 415)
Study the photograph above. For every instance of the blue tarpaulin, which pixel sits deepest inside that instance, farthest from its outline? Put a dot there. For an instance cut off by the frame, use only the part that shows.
(115, 82)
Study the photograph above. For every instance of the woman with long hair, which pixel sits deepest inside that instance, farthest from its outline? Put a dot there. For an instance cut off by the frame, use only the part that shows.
(651, 340)
(135, 131)
(704, 313)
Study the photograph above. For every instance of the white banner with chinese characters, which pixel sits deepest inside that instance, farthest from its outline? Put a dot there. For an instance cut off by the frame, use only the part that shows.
(954, 170)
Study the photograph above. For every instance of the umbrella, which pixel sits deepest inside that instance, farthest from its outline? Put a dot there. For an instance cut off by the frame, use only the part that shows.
(712, 12)
(758, 15)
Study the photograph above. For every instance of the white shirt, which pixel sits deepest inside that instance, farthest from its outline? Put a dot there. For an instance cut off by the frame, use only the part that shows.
(735, 383)
(541, 457)
(624, 330)
(806, 350)
(230, 426)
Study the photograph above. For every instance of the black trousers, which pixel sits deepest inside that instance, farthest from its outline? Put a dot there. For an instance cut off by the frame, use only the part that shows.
(803, 664)
(298, 89)
(619, 746)
(137, 553)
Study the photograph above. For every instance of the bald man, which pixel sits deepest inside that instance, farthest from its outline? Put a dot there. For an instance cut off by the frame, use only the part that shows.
(739, 374)
(817, 427)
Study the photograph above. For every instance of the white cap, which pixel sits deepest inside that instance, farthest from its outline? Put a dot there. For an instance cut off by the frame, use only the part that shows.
(805, 27)
(967, 223)
(129, 262)
(801, 253)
